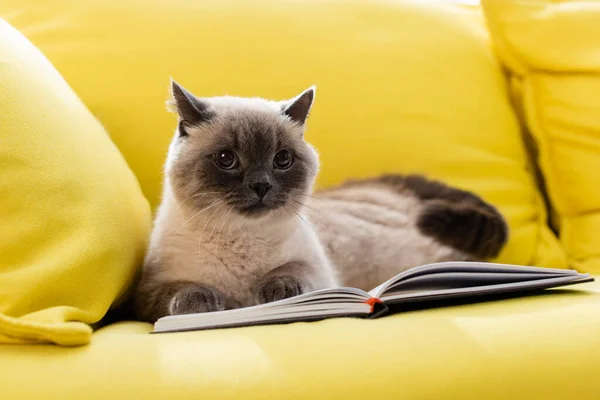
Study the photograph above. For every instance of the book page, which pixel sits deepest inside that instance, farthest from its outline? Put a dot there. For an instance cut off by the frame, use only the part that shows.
(321, 303)
(547, 283)
(457, 280)
(471, 267)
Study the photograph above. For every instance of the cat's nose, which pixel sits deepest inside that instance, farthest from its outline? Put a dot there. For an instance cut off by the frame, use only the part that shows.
(260, 188)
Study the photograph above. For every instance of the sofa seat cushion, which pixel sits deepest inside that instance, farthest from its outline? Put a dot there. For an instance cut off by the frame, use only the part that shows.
(538, 347)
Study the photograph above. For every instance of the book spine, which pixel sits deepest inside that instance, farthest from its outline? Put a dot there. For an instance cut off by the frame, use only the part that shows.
(378, 308)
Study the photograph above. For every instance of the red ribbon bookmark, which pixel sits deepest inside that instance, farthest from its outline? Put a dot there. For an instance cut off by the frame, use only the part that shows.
(372, 301)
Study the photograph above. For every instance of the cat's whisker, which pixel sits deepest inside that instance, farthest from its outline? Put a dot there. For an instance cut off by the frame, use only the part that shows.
(319, 212)
(194, 196)
(299, 193)
(316, 210)
(298, 212)
(208, 220)
(307, 223)
(293, 217)
(202, 234)
(174, 251)
(221, 229)
(339, 221)
(312, 207)
(313, 220)
(195, 216)
(212, 230)
(229, 214)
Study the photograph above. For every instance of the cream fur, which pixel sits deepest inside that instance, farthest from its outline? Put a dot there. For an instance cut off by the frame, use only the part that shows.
(230, 255)
(370, 234)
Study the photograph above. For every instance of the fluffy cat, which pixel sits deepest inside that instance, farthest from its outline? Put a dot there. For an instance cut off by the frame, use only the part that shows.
(238, 224)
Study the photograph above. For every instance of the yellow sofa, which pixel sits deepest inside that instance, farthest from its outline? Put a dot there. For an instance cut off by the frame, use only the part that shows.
(428, 86)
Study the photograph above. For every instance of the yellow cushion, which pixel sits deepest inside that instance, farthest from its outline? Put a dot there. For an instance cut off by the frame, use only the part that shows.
(552, 49)
(538, 348)
(402, 86)
(73, 220)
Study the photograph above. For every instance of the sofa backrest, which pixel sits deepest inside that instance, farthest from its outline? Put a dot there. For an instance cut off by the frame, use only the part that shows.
(407, 86)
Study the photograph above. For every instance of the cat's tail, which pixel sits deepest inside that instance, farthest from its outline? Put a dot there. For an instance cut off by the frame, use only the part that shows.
(479, 231)
(457, 218)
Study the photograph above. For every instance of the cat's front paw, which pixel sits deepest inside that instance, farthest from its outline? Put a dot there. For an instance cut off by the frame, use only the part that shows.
(280, 287)
(196, 299)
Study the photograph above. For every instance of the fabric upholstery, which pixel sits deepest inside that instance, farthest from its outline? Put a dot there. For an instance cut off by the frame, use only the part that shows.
(551, 50)
(73, 220)
(407, 86)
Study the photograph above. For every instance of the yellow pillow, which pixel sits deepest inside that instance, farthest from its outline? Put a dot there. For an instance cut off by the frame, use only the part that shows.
(73, 220)
(552, 49)
(402, 87)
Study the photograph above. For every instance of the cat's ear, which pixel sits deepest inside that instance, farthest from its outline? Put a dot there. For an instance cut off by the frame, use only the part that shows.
(191, 109)
(298, 108)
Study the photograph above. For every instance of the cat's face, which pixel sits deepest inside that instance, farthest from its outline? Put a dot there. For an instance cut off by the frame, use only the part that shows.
(239, 155)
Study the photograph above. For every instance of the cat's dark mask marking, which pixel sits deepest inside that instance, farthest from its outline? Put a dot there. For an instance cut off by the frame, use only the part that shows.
(255, 144)
(255, 133)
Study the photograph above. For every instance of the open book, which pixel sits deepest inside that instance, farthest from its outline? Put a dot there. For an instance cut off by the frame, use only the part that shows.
(428, 282)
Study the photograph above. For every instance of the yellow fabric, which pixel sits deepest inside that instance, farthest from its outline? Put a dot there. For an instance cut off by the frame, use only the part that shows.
(405, 86)
(552, 49)
(401, 85)
(73, 220)
(538, 348)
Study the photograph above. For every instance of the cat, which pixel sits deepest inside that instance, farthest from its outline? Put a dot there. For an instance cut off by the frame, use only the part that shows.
(238, 224)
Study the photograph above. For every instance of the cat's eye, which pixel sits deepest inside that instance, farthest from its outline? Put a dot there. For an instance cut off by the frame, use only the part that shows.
(226, 159)
(283, 159)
